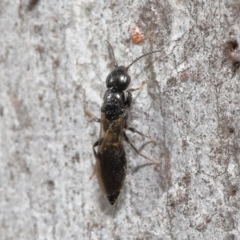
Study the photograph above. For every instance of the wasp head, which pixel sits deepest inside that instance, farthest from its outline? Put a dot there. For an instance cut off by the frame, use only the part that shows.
(118, 79)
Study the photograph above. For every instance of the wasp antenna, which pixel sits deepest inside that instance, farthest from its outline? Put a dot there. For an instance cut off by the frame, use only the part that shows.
(144, 55)
(110, 48)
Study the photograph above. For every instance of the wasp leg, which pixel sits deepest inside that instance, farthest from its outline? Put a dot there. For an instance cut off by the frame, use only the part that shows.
(138, 88)
(127, 140)
(95, 145)
(92, 117)
(128, 100)
(97, 120)
(136, 131)
(98, 142)
(236, 65)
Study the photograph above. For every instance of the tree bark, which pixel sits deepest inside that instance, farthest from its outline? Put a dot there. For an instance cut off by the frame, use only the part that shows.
(53, 66)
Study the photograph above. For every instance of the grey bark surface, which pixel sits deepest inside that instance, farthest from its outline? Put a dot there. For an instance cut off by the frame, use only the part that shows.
(53, 65)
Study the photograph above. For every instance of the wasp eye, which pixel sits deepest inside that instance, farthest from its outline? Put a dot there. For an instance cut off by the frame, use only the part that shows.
(118, 79)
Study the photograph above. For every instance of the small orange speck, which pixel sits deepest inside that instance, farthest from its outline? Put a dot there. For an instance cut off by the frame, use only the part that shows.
(137, 35)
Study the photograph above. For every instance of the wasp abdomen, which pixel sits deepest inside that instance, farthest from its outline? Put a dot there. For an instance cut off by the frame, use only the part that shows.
(111, 175)
(112, 169)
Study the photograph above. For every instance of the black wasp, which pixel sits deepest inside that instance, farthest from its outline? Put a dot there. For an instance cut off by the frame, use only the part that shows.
(111, 159)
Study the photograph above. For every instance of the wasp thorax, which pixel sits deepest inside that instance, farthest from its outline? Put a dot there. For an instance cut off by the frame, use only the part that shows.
(118, 79)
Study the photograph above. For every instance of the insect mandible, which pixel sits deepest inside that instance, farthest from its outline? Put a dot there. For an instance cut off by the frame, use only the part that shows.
(110, 157)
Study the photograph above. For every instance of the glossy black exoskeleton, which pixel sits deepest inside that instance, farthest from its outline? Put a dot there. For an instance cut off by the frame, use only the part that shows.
(111, 159)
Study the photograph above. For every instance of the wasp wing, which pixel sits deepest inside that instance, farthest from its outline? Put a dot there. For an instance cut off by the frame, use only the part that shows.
(111, 162)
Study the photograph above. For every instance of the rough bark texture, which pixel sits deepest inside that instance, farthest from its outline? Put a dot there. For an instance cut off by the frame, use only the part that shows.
(53, 65)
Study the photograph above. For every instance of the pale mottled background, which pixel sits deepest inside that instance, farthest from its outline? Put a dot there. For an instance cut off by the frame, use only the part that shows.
(53, 65)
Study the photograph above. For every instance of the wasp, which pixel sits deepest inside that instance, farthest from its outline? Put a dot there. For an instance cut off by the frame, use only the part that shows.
(111, 161)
